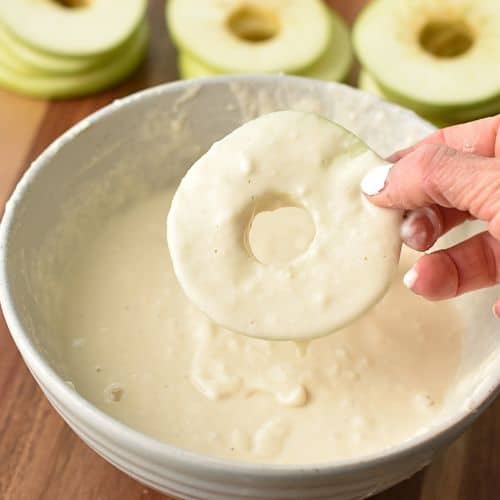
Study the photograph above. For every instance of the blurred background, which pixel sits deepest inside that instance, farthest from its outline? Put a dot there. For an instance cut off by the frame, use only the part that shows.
(60, 60)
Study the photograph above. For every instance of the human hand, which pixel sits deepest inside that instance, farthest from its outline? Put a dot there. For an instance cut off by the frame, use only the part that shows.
(450, 176)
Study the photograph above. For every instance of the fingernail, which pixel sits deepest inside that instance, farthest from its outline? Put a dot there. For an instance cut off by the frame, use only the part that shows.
(496, 310)
(421, 228)
(410, 278)
(374, 181)
(414, 235)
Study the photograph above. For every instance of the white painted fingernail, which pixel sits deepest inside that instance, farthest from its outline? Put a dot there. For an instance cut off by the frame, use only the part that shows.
(374, 181)
(409, 233)
(410, 278)
(496, 310)
(419, 239)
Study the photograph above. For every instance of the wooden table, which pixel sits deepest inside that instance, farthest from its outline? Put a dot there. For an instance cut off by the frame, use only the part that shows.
(40, 457)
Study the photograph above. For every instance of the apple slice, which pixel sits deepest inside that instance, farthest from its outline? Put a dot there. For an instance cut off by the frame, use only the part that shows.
(253, 36)
(46, 86)
(45, 62)
(367, 83)
(451, 113)
(440, 54)
(466, 111)
(439, 116)
(10, 62)
(72, 27)
(294, 161)
(333, 65)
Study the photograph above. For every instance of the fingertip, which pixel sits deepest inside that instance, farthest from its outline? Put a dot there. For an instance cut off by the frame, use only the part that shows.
(494, 226)
(434, 277)
(375, 180)
(410, 278)
(496, 309)
(421, 228)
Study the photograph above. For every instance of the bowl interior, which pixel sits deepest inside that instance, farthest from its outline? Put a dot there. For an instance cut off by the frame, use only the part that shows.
(127, 151)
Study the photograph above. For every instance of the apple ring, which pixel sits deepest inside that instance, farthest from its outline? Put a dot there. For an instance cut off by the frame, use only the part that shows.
(24, 79)
(283, 159)
(77, 28)
(232, 36)
(333, 65)
(436, 56)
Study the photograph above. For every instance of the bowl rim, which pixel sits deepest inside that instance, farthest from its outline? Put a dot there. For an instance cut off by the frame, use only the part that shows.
(162, 452)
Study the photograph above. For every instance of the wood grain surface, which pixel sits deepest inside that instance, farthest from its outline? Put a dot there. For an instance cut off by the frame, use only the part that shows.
(40, 457)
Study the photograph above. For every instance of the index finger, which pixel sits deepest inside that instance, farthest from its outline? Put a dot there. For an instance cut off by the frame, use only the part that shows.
(434, 174)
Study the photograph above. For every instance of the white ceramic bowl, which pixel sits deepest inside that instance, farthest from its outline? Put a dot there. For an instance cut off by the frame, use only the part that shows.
(150, 139)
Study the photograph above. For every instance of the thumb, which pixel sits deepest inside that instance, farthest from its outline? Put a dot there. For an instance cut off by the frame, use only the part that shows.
(434, 174)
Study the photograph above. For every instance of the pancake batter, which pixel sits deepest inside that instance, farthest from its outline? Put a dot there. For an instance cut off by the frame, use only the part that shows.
(142, 353)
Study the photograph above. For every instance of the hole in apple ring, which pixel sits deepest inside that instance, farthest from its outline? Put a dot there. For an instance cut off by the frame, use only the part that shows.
(279, 232)
(74, 3)
(253, 24)
(446, 39)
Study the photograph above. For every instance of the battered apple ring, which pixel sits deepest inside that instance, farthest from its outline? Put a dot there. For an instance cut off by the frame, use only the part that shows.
(286, 158)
